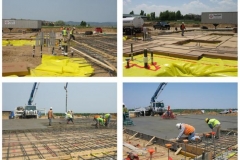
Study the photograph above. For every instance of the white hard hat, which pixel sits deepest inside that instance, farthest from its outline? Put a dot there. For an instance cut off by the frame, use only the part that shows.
(50, 107)
(73, 27)
(178, 125)
(182, 22)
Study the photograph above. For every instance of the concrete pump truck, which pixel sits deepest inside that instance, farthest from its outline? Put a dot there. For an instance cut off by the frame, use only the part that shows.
(155, 107)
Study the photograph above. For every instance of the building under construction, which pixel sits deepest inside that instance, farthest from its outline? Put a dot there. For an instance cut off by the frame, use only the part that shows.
(34, 139)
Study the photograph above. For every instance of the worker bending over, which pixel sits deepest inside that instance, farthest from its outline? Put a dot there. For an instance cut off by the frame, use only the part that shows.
(107, 118)
(99, 121)
(187, 130)
(69, 117)
(215, 125)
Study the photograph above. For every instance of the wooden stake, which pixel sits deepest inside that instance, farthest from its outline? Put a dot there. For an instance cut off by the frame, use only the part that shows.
(150, 141)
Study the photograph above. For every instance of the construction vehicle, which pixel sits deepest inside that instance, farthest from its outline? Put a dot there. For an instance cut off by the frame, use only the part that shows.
(155, 106)
(30, 110)
(132, 25)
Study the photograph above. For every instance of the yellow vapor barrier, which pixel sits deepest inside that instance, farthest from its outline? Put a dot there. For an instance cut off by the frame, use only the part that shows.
(59, 66)
(18, 42)
(165, 66)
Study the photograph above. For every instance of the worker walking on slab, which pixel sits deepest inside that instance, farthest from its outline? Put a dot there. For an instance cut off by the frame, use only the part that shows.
(69, 117)
(64, 34)
(182, 27)
(215, 125)
(71, 34)
(187, 130)
(50, 116)
(99, 121)
(107, 118)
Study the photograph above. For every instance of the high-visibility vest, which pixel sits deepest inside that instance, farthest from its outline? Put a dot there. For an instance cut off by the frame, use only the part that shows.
(106, 115)
(71, 32)
(69, 115)
(64, 32)
(213, 122)
(188, 129)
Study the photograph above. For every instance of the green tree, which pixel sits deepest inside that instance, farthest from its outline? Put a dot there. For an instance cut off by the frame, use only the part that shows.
(83, 24)
(142, 13)
(148, 16)
(153, 16)
(131, 12)
(178, 15)
(59, 23)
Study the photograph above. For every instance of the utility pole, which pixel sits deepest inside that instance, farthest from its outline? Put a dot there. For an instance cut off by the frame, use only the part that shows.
(65, 87)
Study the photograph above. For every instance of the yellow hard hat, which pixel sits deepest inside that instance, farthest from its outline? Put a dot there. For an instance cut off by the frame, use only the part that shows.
(206, 120)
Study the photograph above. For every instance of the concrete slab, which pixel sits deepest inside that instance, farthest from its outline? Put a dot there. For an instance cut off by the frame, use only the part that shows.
(167, 128)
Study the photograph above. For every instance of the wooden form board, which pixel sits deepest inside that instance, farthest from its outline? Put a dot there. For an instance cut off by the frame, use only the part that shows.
(15, 68)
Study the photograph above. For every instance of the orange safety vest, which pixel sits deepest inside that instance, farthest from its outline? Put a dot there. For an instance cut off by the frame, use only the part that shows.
(188, 129)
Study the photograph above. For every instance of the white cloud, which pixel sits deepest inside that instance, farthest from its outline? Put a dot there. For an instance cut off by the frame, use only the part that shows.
(125, 2)
(195, 6)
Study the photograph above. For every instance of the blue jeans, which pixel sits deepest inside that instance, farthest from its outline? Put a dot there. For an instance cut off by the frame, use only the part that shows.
(192, 136)
(50, 121)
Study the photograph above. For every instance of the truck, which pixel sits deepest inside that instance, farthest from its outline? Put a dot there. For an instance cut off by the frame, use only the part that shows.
(132, 25)
(161, 26)
(155, 107)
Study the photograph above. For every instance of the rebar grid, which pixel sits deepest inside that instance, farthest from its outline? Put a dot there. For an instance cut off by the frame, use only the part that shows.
(46, 143)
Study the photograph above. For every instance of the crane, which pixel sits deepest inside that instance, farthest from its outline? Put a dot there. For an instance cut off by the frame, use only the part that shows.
(33, 93)
(65, 87)
(158, 91)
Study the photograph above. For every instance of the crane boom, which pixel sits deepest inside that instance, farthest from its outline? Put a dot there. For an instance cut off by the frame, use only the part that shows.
(32, 94)
(158, 91)
(65, 87)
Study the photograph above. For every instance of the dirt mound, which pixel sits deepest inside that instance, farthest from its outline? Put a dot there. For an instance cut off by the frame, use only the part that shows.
(191, 111)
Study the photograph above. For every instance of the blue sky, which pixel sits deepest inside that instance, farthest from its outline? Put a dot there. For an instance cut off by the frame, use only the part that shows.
(82, 97)
(66, 10)
(185, 6)
(182, 95)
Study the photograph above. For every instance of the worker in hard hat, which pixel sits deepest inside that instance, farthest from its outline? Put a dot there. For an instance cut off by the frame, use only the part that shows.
(50, 116)
(69, 117)
(71, 33)
(168, 111)
(64, 34)
(99, 121)
(107, 118)
(215, 125)
(188, 130)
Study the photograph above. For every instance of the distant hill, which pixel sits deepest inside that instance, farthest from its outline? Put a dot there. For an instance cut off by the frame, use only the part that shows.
(95, 24)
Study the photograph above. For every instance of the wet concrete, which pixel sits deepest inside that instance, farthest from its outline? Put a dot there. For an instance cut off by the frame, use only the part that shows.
(166, 129)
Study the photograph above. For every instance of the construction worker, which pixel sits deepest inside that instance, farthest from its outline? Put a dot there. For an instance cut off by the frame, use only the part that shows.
(69, 117)
(107, 118)
(125, 110)
(64, 34)
(50, 116)
(215, 125)
(168, 111)
(99, 121)
(187, 130)
(71, 34)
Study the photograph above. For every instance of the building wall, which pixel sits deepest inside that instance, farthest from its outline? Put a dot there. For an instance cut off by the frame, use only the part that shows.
(11, 23)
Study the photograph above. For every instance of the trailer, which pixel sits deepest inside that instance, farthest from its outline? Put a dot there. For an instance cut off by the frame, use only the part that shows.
(34, 25)
(132, 25)
(217, 18)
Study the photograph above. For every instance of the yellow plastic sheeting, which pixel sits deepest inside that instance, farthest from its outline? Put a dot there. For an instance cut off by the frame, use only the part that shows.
(18, 42)
(55, 66)
(165, 66)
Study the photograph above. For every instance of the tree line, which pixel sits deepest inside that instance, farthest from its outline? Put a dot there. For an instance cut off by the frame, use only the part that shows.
(62, 23)
(169, 15)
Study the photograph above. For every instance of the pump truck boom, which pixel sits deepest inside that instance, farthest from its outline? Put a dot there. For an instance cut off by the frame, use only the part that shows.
(155, 107)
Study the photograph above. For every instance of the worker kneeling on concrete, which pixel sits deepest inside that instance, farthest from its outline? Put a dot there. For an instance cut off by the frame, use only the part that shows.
(107, 118)
(99, 121)
(69, 117)
(187, 130)
(215, 125)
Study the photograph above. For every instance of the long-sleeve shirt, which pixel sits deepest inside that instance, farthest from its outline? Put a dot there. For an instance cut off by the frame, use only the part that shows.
(181, 131)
